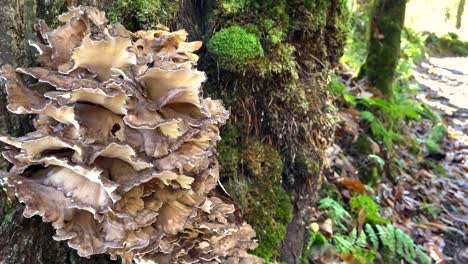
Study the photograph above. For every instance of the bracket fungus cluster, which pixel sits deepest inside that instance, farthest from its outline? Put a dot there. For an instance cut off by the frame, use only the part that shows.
(122, 160)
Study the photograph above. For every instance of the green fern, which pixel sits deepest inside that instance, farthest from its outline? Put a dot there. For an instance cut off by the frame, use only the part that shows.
(385, 117)
(424, 259)
(354, 244)
(391, 244)
(373, 236)
(400, 236)
(342, 243)
(364, 256)
(361, 241)
(392, 237)
(395, 244)
(391, 241)
(372, 209)
(335, 211)
(352, 236)
(410, 248)
(383, 236)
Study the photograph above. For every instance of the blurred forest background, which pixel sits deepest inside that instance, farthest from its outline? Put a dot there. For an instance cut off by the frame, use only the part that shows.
(347, 137)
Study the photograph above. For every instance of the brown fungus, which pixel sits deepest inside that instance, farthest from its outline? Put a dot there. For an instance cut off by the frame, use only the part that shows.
(126, 143)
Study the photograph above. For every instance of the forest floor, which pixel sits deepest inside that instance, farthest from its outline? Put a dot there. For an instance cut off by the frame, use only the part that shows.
(408, 183)
(444, 87)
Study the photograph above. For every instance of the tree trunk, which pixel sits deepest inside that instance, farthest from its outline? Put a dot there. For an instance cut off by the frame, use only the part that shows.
(272, 150)
(460, 10)
(386, 23)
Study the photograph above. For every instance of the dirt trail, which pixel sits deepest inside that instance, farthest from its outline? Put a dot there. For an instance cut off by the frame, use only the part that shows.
(444, 83)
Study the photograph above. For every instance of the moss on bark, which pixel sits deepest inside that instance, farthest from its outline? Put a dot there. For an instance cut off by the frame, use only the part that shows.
(143, 14)
(234, 48)
(252, 177)
(273, 149)
(386, 24)
(281, 98)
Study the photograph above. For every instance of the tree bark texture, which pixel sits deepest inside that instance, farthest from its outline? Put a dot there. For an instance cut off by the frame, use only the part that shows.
(280, 125)
(386, 23)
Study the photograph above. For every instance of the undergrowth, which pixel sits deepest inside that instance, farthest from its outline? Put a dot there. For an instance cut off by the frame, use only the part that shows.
(360, 233)
(449, 44)
(375, 238)
(386, 119)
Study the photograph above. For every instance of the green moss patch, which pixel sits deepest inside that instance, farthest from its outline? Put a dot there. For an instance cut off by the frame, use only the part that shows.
(252, 176)
(234, 48)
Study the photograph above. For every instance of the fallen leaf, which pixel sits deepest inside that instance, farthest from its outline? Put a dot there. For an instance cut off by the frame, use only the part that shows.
(327, 227)
(398, 191)
(374, 146)
(349, 258)
(352, 111)
(352, 184)
(435, 253)
(361, 219)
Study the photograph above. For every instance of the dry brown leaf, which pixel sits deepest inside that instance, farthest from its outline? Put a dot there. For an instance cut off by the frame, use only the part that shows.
(352, 184)
(435, 253)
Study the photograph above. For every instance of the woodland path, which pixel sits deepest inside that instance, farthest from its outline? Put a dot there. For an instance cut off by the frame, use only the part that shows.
(444, 87)
(444, 83)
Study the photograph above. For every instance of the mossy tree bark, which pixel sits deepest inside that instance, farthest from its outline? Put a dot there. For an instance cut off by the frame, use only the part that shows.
(386, 24)
(277, 99)
(272, 150)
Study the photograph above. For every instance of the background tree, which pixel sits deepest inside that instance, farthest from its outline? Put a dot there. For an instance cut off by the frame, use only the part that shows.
(460, 10)
(268, 60)
(386, 23)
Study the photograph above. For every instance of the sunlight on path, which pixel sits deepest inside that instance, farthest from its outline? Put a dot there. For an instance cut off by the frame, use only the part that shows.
(446, 77)
(445, 88)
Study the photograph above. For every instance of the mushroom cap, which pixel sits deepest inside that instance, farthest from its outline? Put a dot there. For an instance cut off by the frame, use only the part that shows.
(123, 159)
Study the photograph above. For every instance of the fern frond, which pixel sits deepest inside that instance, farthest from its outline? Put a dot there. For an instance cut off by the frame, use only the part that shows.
(361, 241)
(400, 248)
(373, 237)
(352, 236)
(382, 233)
(391, 239)
(334, 210)
(423, 258)
(368, 116)
(342, 244)
(409, 247)
(364, 256)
